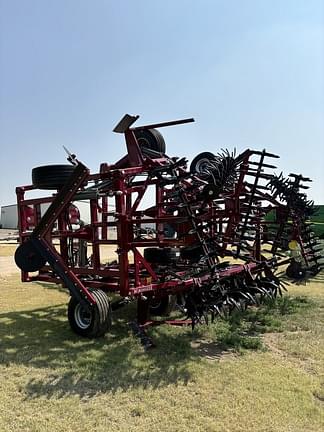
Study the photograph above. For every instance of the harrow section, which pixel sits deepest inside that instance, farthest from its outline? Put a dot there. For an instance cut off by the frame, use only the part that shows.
(209, 241)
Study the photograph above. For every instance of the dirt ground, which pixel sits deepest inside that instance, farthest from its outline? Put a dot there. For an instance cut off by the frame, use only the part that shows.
(8, 233)
(7, 266)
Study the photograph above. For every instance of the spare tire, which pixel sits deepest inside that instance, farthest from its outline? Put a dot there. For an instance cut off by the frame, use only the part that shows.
(150, 139)
(202, 163)
(192, 253)
(51, 176)
(161, 256)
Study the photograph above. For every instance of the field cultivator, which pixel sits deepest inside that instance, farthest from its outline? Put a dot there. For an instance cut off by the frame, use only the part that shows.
(210, 240)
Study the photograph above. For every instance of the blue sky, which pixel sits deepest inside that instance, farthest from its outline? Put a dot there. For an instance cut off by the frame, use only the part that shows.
(250, 72)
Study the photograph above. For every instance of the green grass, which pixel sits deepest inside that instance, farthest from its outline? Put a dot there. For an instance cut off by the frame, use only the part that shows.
(319, 216)
(262, 370)
(317, 220)
(318, 228)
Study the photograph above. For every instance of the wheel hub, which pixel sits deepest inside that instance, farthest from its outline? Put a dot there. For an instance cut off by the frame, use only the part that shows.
(82, 316)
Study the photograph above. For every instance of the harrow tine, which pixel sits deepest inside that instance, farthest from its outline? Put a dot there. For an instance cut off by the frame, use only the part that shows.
(299, 177)
(313, 259)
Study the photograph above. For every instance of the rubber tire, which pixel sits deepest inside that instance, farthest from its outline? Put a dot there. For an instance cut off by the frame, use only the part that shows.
(195, 167)
(161, 256)
(210, 192)
(51, 177)
(27, 257)
(295, 271)
(100, 315)
(162, 306)
(150, 139)
(168, 231)
(192, 253)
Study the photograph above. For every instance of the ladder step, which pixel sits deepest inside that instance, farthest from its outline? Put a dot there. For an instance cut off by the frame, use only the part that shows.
(264, 153)
(264, 165)
(260, 175)
(246, 225)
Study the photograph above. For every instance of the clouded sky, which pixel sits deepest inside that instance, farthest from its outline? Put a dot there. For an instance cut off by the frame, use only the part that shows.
(251, 73)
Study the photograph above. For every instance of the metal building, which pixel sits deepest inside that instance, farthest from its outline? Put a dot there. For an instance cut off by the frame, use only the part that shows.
(9, 214)
(9, 217)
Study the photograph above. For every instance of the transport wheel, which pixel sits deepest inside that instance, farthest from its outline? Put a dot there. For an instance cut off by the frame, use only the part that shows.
(162, 306)
(161, 256)
(51, 176)
(90, 321)
(150, 139)
(201, 163)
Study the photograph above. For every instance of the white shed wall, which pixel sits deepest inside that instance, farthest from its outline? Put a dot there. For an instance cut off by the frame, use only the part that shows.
(9, 214)
(9, 217)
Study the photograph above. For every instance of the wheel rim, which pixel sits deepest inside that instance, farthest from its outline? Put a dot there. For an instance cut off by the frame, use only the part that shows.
(155, 303)
(203, 165)
(143, 142)
(82, 316)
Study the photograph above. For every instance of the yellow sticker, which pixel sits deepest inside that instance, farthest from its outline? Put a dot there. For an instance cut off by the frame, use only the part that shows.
(293, 245)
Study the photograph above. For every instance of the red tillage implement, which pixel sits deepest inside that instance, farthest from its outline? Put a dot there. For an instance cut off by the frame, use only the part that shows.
(170, 253)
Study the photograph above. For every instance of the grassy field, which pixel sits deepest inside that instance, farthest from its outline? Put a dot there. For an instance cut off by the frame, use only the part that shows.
(261, 371)
(318, 221)
(319, 216)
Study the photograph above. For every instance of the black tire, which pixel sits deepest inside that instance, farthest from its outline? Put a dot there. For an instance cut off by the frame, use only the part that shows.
(295, 271)
(27, 257)
(169, 231)
(90, 321)
(150, 139)
(210, 192)
(192, 253)
(161, 256)
(51, 176)
(162, 306)
(200, 163)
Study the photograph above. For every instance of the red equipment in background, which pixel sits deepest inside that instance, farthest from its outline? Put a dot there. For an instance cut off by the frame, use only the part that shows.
(223, 206)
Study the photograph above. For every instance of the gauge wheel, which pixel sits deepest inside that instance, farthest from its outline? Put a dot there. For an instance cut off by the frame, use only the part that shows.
(90, 321)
